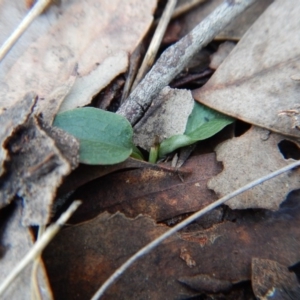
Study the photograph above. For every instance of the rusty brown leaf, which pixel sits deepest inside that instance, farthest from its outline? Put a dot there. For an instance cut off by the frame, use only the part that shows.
(156, 191)
(81, 257)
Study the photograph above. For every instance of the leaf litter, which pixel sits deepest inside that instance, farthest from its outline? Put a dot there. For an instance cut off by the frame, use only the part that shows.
(212, 257)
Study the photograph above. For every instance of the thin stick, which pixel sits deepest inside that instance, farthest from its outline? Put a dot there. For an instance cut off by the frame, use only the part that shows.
(35, 289)
(176, 57)
(184, 223)
(40, 245)
(156, 41)
(37, 9)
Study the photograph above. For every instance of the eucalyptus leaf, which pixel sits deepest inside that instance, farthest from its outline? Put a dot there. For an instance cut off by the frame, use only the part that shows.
(203, 123)
(105, 138)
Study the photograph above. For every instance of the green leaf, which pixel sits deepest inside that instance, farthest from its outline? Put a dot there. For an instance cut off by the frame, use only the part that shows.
(203, 123)
(105, 138)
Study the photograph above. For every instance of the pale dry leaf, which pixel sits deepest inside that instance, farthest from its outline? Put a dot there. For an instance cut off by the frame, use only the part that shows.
(87, 86)
(16, 241)
(246, 158)
(10, 119)
(254, 82)
(35, 170)
(167, 116)
(218, 57)
(87, 33)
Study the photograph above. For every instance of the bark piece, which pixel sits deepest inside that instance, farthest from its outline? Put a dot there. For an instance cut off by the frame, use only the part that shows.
(166, 117)
(259, 88)
(246, 158)
(16, 241)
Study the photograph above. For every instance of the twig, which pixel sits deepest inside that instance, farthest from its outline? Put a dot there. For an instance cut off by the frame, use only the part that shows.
(35, 289)
(37, 9)
(156, 41)
(176, 57)
(39, 246)
(184, 223)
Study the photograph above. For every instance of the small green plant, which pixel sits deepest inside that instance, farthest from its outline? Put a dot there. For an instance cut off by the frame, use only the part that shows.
(203, 123)
(105, 138)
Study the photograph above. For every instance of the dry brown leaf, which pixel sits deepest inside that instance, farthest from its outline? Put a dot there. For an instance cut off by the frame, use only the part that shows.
(81, 257)
(98, 36)
(156, 191)
(271, 280)
(15, 243)
(246, 158)
(167, 116)
(35, 170)
(254, 82)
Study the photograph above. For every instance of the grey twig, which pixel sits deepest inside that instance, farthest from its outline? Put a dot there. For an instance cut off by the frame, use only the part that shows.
(184, 223)
(176, 57)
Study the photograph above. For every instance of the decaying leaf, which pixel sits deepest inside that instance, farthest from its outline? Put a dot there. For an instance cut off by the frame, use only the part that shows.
(166, 117)
(15, 243)
(10, 119)
(35, 170)
(271, 280)
(254, 82)
(65, 36)
(81, 257)
(156, 191)
(206, 283)
(246, 158)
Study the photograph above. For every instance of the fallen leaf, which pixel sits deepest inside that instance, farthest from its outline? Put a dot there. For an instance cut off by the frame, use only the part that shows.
(85, 173)
(65, 36)
(249, 157)
(81, 257)
(156, 191)
(35, 170)
(271, 280)
(166, 117)
(16, 241)
(258, 88)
